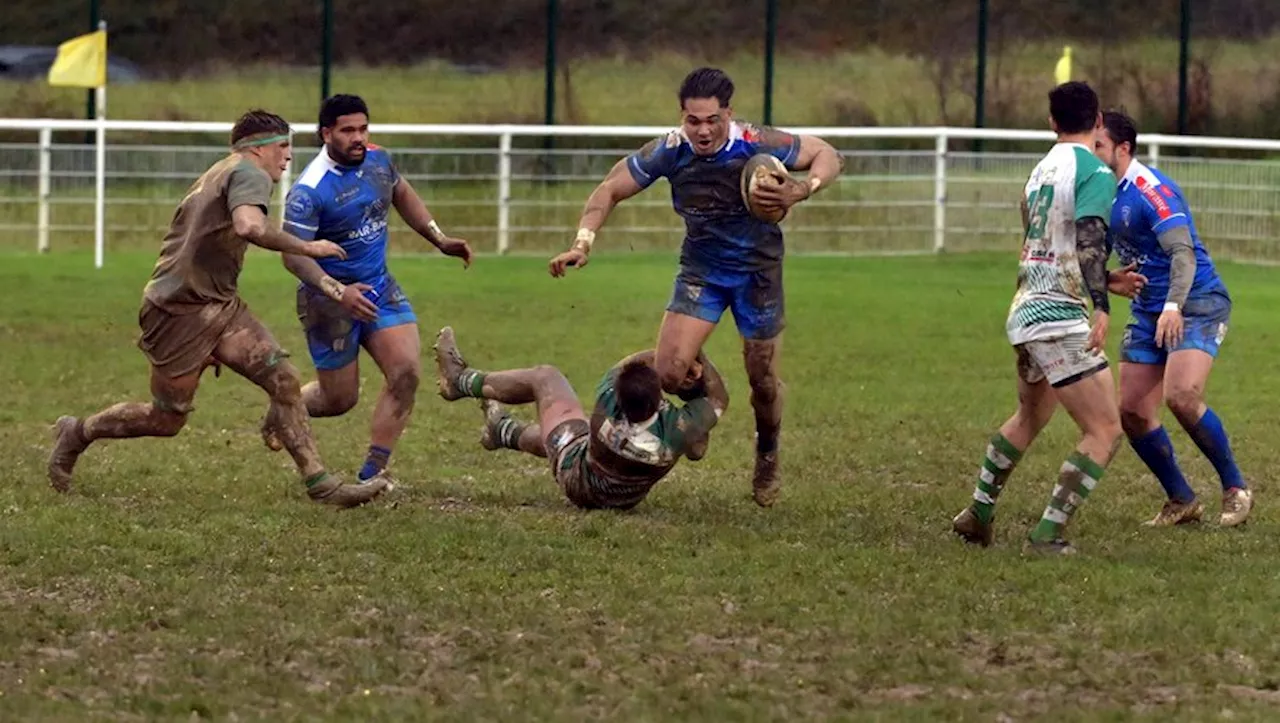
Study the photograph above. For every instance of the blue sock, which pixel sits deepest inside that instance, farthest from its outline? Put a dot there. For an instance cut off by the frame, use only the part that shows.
(375, 462)
(1156, 451)
(1211, 438)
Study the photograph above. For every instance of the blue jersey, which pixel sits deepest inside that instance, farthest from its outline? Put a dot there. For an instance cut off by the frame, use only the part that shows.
(347, 205)
(1147, 204)
(721, 238)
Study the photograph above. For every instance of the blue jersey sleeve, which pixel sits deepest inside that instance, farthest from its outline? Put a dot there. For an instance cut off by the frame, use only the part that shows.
(302, 213)
(656, 159)
(1162, 207)
(780, 144)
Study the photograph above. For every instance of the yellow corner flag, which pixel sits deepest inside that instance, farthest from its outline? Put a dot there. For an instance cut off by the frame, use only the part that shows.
(1062, 71)
(81, 62)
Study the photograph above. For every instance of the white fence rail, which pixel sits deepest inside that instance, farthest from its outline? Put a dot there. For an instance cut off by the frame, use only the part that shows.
(904, 190)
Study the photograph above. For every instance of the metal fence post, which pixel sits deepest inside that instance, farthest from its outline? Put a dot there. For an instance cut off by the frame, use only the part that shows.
(940, 193)
(504, 192)
(1154, 155)
(46, 163)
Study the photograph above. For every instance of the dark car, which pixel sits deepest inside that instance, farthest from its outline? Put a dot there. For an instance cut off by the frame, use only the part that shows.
(31, 62)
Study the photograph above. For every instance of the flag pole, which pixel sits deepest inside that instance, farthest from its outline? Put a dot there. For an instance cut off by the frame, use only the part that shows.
(100, 170)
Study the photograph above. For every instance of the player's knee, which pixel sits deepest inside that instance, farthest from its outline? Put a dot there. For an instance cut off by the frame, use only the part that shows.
(1134, 423)
(169, 422)
(283, 384)
(547, 374)
(403, 382)
(335, 402)
(672, 372)
(1184, 402)
(765, 386)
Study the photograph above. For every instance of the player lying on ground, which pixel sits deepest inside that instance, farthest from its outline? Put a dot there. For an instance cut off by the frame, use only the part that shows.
(1060, 355)
(633, 439)
(192, 316)
(730, 259)
(1179, 320)
(347, 303)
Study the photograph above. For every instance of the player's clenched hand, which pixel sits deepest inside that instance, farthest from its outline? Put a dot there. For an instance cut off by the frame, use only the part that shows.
(1098, 331)
(1169, 329)
(787, 193)
(1125, 281)
(572, 257)
(357, 304)
(324, 249)
(458, 248)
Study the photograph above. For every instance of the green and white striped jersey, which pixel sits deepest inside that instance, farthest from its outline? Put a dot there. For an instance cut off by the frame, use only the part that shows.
(1069, 184)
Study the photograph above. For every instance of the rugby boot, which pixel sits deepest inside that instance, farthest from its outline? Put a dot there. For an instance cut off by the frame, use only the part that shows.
(68, 444)
(493, 416)
(333, 491)
(1177, 513)
(973, 530)
(1237, 502)
(449, 364)
(766, 484)
(1049, 548)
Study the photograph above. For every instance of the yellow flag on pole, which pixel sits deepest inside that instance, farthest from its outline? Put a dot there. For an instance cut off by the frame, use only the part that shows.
(1062, 71)
(81, 62)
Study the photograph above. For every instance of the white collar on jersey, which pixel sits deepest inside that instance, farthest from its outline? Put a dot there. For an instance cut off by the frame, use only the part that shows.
(639, 425)
(1136, 168)
(736, 133)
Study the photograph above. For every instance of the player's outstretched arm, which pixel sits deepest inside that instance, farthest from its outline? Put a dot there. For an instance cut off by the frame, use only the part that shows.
(616, 187)
(1091, 251)
(414, 212)
(250, 223)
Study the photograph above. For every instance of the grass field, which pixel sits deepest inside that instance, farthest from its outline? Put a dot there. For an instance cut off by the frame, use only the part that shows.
(189, 578)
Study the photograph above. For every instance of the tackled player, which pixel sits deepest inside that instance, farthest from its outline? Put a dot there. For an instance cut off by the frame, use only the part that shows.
(633, 439)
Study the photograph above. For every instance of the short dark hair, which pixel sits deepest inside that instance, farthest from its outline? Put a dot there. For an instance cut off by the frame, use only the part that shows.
(258, 121)
(1121, 128)
(639, 391)
(336, 106)
(1074, 107)
(707, 83)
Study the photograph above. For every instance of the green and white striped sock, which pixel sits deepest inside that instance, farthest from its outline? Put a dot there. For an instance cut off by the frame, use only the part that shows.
(997, 465)
(1076, 479)
(471, 382)
(508, 432)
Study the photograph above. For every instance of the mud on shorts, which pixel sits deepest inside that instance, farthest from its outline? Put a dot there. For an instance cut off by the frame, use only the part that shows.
(567, 447)
(333, 337)
(1064, 360)
(754, 297)
(179, 344)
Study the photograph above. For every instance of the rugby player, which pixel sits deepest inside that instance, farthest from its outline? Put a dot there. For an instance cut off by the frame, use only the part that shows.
(632, 440)
(1065, 207)
(354, 301)
(1178, 322)
(729, 259)
(192, 316)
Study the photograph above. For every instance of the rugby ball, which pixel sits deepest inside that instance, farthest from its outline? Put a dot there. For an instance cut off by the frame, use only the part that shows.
(763, 169)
